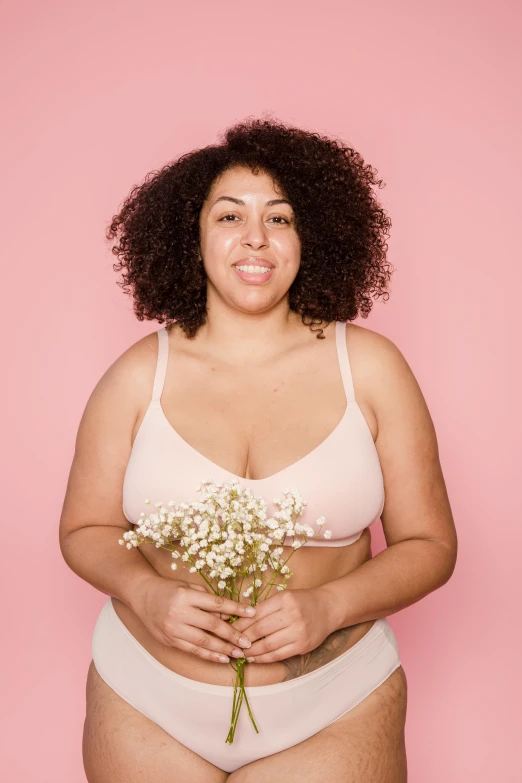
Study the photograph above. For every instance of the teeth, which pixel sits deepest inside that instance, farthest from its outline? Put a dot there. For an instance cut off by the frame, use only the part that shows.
(252, 269)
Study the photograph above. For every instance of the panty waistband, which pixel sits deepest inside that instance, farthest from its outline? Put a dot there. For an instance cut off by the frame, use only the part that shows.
(379, 635)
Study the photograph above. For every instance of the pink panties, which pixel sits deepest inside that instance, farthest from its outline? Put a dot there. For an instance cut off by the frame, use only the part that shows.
(197, 714)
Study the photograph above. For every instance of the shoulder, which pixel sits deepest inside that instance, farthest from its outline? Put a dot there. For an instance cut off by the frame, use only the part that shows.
(128, 380)
(104, 439)
(373, 356)
(383, 375)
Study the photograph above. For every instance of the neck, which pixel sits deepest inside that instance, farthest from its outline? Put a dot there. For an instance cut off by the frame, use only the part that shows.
(241, 336)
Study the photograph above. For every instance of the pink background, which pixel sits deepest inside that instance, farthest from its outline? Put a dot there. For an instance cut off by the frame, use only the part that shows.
(96, 95)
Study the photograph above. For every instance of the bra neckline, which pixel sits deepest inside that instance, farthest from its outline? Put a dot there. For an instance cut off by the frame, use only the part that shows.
(279, 473)
(347, 381)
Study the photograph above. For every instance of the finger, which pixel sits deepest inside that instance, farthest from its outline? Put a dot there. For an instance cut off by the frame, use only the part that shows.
(270, 644)
(243, 623)
(287, 651)
(263, 609)
(209, 622)
(221, 616)
(218, 603)
(202, 652)
(266, 626)
(200, 639)
(204, 589)
(268, 606)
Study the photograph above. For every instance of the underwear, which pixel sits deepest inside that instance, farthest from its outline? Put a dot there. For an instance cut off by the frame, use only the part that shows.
(198, 714)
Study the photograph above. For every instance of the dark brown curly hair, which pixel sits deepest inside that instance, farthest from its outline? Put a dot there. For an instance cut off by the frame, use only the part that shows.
(341, 226)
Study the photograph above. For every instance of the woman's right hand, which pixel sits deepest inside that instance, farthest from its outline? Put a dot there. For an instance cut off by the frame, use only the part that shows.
(187, 616)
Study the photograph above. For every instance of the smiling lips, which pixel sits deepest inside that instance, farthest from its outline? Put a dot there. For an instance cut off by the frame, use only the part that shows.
(258, 272)
(254, 270)
(254, 260)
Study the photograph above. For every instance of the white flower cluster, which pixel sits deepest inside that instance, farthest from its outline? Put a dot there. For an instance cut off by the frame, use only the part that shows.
(228, 539)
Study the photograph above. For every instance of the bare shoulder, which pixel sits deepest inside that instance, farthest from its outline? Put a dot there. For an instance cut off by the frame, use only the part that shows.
(123, 390)
(132, 372)
(416, 499)
(374, 358)
(103, 439)
(386, 380)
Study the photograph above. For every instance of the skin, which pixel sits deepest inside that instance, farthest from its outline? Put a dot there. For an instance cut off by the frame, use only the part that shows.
(293, 632)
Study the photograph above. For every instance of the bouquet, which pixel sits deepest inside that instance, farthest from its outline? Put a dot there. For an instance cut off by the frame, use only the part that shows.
(227, 538)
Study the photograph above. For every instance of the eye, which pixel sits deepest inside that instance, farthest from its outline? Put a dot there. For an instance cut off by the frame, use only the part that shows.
(224, 218)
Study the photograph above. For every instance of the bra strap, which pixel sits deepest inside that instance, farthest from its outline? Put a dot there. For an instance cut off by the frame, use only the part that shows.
(161, 364)
(344, 362)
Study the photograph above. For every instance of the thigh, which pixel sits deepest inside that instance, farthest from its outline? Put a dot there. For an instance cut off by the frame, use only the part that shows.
(121, 745)
(366, 745)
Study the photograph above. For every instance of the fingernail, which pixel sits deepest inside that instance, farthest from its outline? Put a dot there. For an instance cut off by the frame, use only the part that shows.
(237, 653)
(223, 659)
(250, 611)
(251, 660)
(244, 642)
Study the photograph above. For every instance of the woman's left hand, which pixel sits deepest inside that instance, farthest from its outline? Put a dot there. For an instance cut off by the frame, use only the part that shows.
(291, 622)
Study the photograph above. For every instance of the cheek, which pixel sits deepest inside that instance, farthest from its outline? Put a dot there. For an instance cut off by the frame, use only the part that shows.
(217, 254)
(219, 240)
(292, 253)
(291, 267)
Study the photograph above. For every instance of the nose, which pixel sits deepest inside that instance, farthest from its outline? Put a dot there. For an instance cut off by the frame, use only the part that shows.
(254, 234)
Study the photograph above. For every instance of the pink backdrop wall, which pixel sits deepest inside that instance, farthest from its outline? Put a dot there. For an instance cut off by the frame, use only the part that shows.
(96, 95)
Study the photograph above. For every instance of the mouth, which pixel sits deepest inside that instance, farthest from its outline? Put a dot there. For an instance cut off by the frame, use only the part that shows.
(255, 261)
(257, 270)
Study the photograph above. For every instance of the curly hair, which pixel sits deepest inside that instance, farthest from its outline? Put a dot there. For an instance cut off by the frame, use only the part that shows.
(341, 226)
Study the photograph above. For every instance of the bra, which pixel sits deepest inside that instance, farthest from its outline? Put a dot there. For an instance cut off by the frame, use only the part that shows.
(341, 478)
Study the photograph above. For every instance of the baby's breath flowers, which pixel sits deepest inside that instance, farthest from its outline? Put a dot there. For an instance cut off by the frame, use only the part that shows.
(227, 538)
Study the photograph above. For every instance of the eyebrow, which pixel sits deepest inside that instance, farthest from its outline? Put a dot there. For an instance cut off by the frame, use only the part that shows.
(242, 203)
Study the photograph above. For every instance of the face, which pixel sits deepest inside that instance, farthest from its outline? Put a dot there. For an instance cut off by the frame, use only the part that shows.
(242, 229)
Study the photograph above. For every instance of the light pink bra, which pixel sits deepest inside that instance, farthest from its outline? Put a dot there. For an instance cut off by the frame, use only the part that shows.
(341, 478)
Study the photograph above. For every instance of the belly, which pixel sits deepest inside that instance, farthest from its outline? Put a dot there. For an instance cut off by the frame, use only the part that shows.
(311, 567)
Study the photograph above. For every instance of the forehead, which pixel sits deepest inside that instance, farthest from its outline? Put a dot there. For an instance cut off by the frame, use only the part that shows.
(241, 182)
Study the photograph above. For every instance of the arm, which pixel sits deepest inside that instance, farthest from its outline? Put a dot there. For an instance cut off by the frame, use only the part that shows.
(392, 580)
(417, 520)
(93, 553)
(92, 519)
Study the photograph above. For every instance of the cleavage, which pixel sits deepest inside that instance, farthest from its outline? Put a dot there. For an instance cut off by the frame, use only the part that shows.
(255, 428)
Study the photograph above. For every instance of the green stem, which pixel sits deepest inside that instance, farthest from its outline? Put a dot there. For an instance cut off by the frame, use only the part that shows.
(237, 701)
(246, 700)
(271, 583)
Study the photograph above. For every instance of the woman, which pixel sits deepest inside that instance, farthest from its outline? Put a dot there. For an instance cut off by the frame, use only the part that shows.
(242, 247)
